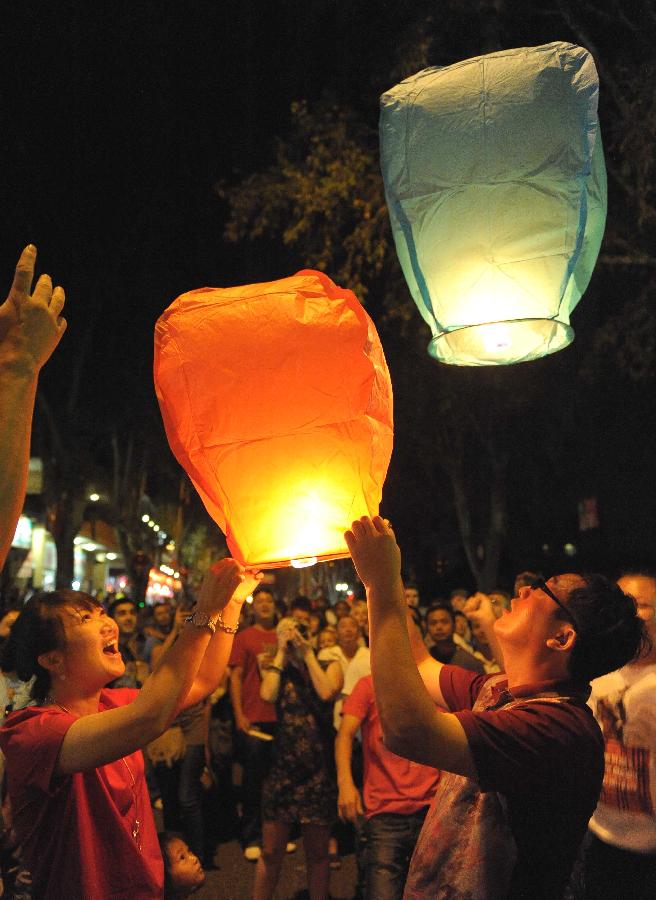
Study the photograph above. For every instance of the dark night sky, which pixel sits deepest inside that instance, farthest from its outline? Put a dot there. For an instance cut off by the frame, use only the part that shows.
(118, 119)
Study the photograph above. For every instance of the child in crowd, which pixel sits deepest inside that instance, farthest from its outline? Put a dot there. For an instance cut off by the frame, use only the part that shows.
(183, 872)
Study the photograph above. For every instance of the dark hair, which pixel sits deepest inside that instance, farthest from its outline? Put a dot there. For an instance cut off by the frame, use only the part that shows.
(165, 838)
(459, 592)
(111, 609)
(301, 602)
(40, 629)
(611, 632)
(440, 607)
(263, 589)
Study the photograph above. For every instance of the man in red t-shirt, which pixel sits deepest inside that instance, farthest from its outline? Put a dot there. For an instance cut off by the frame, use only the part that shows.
(521, 756)
(250, 649)
(397, 794)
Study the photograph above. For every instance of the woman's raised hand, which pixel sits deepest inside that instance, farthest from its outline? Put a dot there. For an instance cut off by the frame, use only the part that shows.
(219, 584)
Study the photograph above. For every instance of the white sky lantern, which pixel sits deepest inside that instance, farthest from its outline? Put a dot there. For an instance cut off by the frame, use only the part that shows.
(496, 187)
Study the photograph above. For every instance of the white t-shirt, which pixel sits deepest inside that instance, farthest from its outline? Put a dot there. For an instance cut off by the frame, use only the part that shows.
(624, 704)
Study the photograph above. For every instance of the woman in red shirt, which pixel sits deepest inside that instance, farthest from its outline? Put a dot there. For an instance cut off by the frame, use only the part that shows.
(75, 772)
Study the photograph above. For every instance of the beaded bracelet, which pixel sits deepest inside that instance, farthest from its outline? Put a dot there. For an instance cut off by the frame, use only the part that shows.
(229, 629)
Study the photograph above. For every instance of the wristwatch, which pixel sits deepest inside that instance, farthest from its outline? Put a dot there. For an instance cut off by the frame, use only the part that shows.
(202, 620)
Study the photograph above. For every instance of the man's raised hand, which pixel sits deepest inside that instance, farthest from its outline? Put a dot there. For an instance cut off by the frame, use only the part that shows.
(374, 551)
(30, 323)
(478, 608)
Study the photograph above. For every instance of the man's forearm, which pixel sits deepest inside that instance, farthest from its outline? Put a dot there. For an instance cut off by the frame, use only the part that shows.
(17, 393)
(404, 705)
(343, 756)
(417, 645)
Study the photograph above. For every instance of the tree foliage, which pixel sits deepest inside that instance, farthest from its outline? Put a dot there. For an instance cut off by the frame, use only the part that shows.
(323, 199)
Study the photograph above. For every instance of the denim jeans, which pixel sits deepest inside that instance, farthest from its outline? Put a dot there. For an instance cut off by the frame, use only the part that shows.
(391, 839)
(255, 757)
(182, 796)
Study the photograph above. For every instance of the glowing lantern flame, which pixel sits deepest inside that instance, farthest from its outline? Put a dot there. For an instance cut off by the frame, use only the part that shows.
(277, 401)
(496, 187)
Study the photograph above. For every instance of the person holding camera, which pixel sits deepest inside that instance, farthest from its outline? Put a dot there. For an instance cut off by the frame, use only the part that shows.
(301, 784)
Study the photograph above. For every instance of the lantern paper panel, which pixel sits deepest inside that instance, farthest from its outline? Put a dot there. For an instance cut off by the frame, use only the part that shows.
(277, 401)
(496, 187)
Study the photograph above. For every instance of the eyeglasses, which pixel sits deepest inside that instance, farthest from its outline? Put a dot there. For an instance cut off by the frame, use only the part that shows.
(541, 585)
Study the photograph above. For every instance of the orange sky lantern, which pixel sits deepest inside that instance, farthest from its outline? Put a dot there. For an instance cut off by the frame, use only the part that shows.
(277, 401)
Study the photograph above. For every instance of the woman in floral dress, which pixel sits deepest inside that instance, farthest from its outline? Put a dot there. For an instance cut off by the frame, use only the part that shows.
(301, 785)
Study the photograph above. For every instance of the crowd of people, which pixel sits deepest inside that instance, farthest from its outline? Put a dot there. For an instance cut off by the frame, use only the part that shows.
(456, 742)
(291, 670)
(306, 754)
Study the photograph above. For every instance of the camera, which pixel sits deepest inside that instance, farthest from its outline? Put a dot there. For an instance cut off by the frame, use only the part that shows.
(303, 630)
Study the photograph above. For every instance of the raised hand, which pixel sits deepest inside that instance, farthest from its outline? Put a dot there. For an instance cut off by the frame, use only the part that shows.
(219, 584)
(374, 551)
(479, 609)
(30, 323)
(251, 580)
(302, 644)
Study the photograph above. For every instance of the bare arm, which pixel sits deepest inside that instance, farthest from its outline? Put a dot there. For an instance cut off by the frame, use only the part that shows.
(215, 660)
(327, 684)
(429, 667)
(412, 726)
(103, 737)
(241, 721)
(30, 329)
(349, 802)
(270, 687)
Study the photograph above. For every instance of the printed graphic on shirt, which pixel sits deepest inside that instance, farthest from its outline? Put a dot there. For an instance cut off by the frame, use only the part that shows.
(626, 778)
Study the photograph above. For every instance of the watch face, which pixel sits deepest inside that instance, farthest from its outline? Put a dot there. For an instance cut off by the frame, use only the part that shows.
(201, 619)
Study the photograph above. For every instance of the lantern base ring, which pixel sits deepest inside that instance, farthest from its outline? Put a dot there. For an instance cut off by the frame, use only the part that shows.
(304, 563)
(501, 343)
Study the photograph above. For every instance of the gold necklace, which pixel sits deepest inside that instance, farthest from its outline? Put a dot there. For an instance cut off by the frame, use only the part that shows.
(136, 824)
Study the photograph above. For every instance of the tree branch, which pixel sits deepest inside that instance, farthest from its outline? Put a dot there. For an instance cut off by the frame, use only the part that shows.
(565, 8)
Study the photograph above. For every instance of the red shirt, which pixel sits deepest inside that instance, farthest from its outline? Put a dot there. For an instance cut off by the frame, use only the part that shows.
(515, 829)
(247, 646)
(76, 830)
(391, 784)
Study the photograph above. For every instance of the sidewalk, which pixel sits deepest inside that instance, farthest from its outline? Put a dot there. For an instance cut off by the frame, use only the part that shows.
(234, 880)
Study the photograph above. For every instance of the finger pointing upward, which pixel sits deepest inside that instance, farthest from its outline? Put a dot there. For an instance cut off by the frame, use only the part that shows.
(24, 274)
